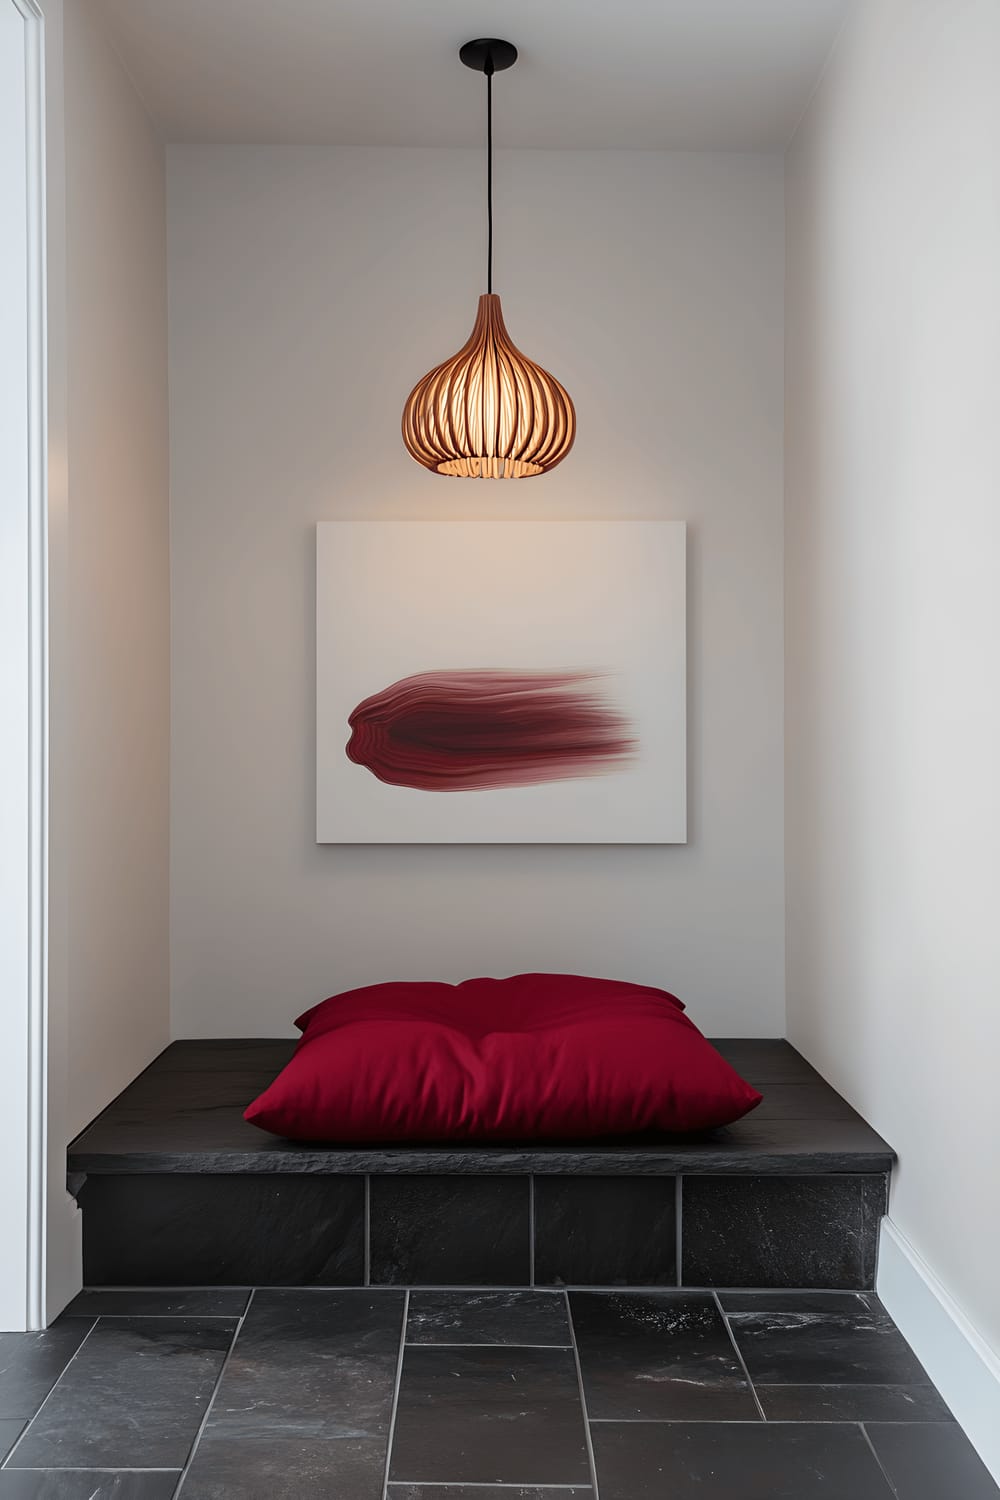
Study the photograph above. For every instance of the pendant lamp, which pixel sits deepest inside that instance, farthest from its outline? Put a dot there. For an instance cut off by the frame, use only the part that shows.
(489, 412)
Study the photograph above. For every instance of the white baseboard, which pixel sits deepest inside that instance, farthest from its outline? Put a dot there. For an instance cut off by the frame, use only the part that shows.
(959, 1361)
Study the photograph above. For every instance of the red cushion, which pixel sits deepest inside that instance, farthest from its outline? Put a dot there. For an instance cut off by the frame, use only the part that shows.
(535, 1057)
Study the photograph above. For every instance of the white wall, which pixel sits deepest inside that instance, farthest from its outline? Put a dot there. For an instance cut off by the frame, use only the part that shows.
(309, 289)
(893, 536)
(110, 595)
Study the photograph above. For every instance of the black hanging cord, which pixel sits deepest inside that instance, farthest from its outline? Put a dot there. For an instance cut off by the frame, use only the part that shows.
(489, 55)
(488, 70)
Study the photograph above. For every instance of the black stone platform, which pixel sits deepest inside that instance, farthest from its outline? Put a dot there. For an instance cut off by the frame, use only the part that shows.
(177, 1189)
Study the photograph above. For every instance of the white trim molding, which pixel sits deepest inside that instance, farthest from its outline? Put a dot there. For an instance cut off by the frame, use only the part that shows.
(959, 1361)
(23, 876)
(38, 630)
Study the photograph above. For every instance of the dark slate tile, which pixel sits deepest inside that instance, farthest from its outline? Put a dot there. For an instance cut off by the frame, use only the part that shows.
(849, 1303)
(931, 1462)
(189, 1100)
(133, 1398)
(310, 1462)
(487, 1318)
(489, 1416)
(852, 1403)
(803, 1101)
(766, 1060)
(735, 1461)
(158, 1302)
(31, 1363)
(86, 1484)
(781, 1231)
(605, 1231)
(451, 1231)
(818, 1341)
(658, 1356)
(303, 1410)
(780, 1146)
(211, 1230)
(479, 1492)
(10, 1431)
(185, 1113)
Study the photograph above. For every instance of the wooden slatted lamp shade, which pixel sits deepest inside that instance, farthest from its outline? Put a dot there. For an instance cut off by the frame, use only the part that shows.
(489, 412)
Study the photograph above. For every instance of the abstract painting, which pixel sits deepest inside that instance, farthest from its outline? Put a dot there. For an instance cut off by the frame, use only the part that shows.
(501, 682)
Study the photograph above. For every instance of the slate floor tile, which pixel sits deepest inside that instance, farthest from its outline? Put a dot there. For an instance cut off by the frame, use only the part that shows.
(802, 1301)
(489, 1416)
(487, 1318)
(799, 1339)
(10, 1430)
(85, 1484)
(931, 1462)
(303, 1410)
(658, 1355)
(852, 1403)
(480, 1492)
(312, 1461)
(735, 1461)
(134, 1397)
(31, 1363)
(304, 1405)
(162, 1302)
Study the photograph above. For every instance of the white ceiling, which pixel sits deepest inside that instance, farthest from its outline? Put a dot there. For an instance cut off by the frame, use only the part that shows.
(699, 74)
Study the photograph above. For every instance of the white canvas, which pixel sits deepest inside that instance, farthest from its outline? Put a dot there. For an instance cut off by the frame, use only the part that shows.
(605, 600)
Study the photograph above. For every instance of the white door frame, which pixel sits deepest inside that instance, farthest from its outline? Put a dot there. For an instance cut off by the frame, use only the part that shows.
(23, 688)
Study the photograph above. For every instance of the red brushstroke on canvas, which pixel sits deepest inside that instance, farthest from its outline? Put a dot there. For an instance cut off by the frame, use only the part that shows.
(463, 731)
